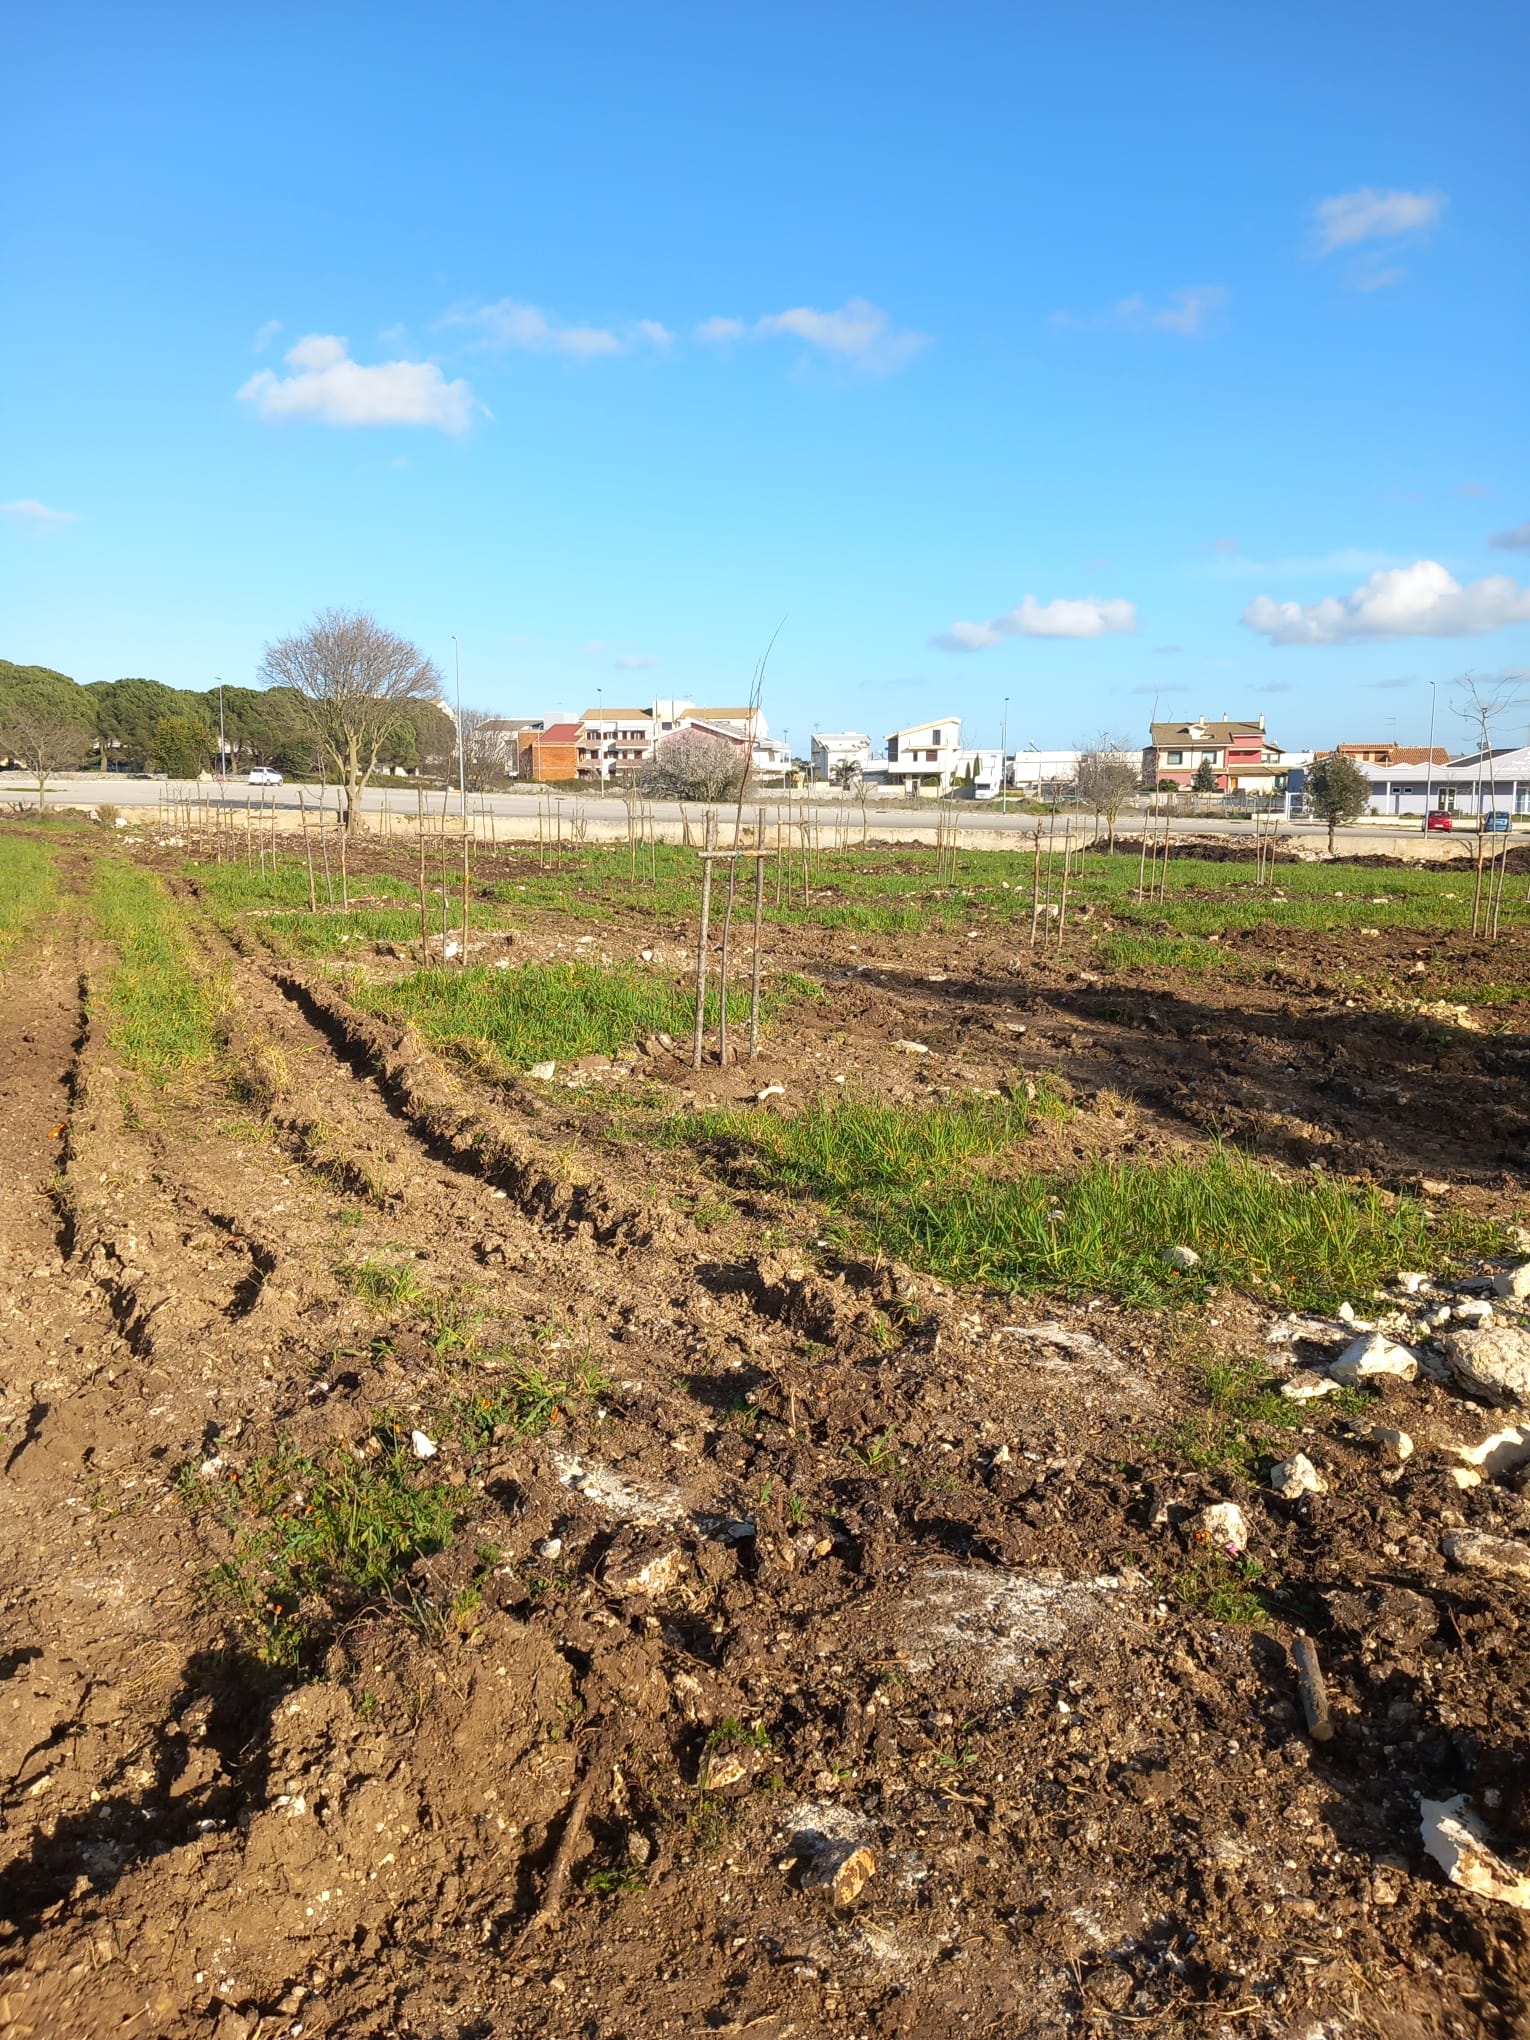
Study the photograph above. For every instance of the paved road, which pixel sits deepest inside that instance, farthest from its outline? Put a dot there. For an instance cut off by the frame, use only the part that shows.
(606, 817)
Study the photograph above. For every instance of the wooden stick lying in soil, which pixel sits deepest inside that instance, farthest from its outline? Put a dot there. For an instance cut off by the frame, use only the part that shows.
(1313, 1688)
(602, 1759)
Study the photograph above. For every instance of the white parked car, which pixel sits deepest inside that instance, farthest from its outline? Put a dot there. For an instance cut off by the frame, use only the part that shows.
(265, 775)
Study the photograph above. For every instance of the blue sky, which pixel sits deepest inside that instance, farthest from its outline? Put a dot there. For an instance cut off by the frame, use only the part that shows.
(1075, 355)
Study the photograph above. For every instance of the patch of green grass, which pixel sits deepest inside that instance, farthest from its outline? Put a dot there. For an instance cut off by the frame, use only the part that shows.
(943, 1187)
(551, 1012)
(614, 1883)
(1222, 1589)
(386, 1285)
(880, 1456)
(317, 1539)
(160, 1008)
(1238, 1418)
(1163, 952)
(527, 1398)
(28, 887)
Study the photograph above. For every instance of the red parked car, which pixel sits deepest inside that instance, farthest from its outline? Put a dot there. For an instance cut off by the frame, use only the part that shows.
(1440, 819)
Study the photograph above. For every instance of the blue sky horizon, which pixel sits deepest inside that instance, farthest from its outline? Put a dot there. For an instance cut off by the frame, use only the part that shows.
(1083, 362)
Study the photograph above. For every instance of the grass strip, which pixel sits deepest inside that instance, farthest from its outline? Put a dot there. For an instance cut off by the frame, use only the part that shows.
(937, 1186)
(159, 1007)
(550, 1012)
(28, 888)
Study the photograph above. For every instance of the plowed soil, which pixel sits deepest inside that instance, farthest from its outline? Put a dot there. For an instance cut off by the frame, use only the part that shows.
(834, 1666)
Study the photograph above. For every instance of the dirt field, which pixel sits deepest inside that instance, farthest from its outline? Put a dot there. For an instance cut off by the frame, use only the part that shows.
(489, 1554)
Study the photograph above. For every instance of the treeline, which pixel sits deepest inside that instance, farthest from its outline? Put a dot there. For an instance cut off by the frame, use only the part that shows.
(143, 726)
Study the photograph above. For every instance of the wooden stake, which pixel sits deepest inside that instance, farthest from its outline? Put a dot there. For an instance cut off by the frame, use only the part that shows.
(701, 956)
(345, 871)
(722, 997)
(313, 903)
(759, 924)
(1312, 1687)
(419, 795)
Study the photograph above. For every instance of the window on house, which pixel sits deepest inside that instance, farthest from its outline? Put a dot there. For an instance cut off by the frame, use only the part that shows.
(1176, 757)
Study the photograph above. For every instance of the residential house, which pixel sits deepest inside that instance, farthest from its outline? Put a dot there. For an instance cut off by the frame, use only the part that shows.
(613, 742)
(922, 759)
(979, 773)
(831, 752)
(1242, 758)
(1391, 754)
(550, 756)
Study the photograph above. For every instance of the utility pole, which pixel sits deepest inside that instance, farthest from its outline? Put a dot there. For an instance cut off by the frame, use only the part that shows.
(461, 753)
(1004, 760)
(222, 747)
(1429, 768)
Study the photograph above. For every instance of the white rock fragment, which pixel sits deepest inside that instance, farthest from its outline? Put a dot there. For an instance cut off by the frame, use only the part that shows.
(211, 1468)
(543, 1071)
(770, 1091)
(912, 1047)
(1297, 1476)
(1373, 1355)
(1456, 1840)
(1466, 1477)
(1492, 1362)
(1410, 1281)
(1307, 1387)
(1513, 1283)
(1481, 1551)
(1474, 1310)
(1395, 1444)
(1180, 1257)
(1503, 1453)
(1223, 1524)
(424, 1448)
(550, 1547)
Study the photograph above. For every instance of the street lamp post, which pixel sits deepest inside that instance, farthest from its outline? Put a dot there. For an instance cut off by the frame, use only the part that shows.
(1429, 765)
(1004, 760)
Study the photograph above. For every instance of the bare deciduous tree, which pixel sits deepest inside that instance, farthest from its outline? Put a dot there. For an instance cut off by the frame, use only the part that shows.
(1108, 775)
(44, 744)
(487, 749)
(357, 682)
(690, 765)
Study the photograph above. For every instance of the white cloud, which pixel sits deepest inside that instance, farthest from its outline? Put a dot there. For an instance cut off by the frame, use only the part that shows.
(1187, 312)
(265, 335)
(1362, 278)
(1422, 600)
(1083, 618)
(713, 332)
(635, 665)
(860, 334)
(27, 510)
(1512, 541)
(334, 390)
(511, 327)
(1371, 215)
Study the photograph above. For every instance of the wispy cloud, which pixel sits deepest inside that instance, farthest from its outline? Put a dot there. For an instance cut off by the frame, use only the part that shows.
(1087, 617)
(264, 335)
(1351, 222)
(26, 510)
(1188, 313)
(1422, 600)
(1236, 566)
(331, 389)
(860, 335)
(509, 326)
(1354, 217)
(1516, 540)
(1276, 687)
(641, 665)
(1392, 686)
